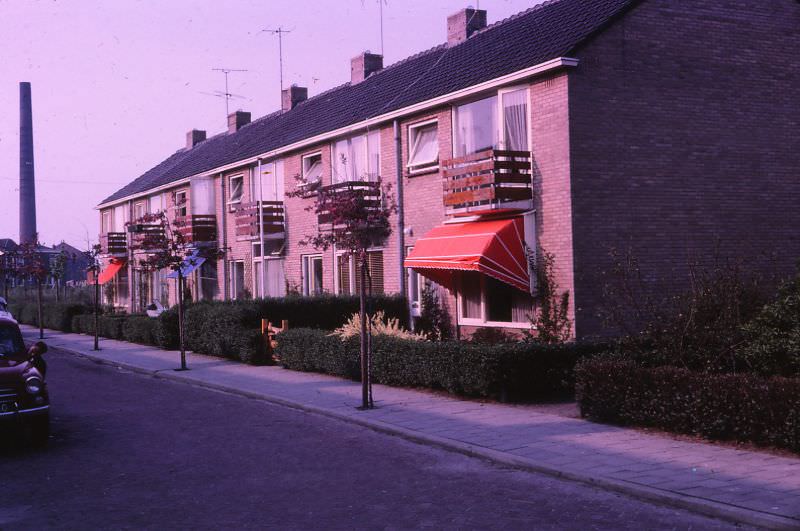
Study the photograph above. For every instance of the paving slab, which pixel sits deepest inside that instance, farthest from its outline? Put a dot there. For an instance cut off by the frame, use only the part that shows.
(744, 486)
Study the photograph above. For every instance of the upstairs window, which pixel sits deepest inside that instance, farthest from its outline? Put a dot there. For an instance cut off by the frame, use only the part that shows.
(236, 189)
(423, 146)
(180, 203)
(139, 210)
(312, 168)
(475, 126)
(107, 225)
(155, 204)
(357, 158)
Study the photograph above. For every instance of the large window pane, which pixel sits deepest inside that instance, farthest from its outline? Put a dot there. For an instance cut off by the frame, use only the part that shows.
(476, 126)
(499, 296)
(515, 120)
(471, 295)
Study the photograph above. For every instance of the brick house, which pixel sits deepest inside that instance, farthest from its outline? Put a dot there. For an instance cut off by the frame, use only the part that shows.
(663, 129)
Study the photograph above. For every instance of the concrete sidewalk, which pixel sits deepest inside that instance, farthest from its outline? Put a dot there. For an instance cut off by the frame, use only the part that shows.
(742, 486)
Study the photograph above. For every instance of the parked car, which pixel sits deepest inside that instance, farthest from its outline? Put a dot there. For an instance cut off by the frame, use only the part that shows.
(24, 401)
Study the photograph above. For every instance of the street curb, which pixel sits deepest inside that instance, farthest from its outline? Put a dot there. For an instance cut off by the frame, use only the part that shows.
(730, 513)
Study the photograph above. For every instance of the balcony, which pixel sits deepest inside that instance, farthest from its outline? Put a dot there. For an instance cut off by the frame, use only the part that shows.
(488, 180)
(369, 192)
(272, 216)
(114, 244)
(146, 236)
(197, 229)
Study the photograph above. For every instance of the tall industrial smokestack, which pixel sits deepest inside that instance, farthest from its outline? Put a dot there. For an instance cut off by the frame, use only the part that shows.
(27, 186)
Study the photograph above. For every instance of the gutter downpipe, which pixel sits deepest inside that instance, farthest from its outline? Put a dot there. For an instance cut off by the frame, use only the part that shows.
(224, 237)
(401, 220)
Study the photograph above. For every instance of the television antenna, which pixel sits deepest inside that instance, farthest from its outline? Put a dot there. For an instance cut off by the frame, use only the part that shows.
(227, 95)
(279, 32)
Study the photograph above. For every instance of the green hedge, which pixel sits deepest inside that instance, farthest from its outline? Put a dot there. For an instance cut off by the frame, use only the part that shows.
(520, 371)
(742, 407)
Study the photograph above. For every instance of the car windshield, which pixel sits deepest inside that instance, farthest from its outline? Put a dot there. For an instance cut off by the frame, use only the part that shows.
(11, 344)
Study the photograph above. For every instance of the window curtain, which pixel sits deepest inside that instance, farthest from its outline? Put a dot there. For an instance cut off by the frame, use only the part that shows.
(202, 200)
(271, 181)
(515, 120)
(476, 126)
(357, 158)
(120, 218)
(424, 147)
(276, 282)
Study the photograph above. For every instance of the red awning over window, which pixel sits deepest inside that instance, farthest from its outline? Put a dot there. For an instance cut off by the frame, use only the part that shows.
(111, 270)
(495, 248)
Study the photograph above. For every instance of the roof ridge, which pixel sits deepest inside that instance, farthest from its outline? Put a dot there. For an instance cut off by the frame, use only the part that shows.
(537, 7)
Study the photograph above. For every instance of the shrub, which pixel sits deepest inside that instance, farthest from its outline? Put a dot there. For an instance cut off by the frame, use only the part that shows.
(517, 371)
(139, 329)
(58, 316)
(165, 332)
(772, 345)
(380, 325)
(742, 407)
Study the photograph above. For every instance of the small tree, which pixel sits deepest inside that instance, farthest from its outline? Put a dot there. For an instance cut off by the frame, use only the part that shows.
(550, 318)
(434, 319)
(92, 256)
(166, 247)
(33, 268)
(9, 269)
(354, 218)
(58, 267)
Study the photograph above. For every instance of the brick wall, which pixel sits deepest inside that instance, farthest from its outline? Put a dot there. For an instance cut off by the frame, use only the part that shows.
(684, 127)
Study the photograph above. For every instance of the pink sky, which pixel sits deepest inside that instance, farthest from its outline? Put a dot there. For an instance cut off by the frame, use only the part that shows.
(116, 85)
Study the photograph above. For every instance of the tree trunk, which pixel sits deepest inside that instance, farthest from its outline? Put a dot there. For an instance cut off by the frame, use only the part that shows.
(96, 310)
(180, 321)
(362, 300)
(39, 304)
(58, 290)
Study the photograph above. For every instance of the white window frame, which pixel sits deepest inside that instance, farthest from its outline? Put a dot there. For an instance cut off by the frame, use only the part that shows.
(143, 205)
(233, 288)
(232, 202)
(335, 178)
(500, 115)
(107, 221)
(305, 169)
(472, 321)
(306, 266)
(425, 166)
(415, 308)
(183, 205)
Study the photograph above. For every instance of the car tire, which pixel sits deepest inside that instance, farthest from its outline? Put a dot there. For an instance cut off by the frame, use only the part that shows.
(40, 430)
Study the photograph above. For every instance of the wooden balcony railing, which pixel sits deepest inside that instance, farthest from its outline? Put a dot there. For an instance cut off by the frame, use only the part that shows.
(114, 244)
(488, 180)
(146, 236)
(197, 228)
(273, 218)
(368, 190)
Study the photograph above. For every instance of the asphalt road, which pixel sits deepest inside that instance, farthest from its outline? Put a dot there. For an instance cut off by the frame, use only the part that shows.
(132, 451)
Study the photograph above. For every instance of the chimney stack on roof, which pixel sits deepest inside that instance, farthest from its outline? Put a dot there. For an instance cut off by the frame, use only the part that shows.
(194, 137)
(291, 96)
(461, 25)
(363, 65)
(236, 120)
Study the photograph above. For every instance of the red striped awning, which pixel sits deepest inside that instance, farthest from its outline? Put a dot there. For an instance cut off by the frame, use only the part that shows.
(495, 248)
(111, 270)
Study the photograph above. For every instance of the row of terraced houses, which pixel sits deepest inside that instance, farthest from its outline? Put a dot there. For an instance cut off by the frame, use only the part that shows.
(666, 130)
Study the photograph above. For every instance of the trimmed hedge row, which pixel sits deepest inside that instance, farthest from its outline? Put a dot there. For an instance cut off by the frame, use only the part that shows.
(742, 407)
(55, 315)
(518, 371)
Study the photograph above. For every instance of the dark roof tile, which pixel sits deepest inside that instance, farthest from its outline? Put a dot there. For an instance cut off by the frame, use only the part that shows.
(544, 32)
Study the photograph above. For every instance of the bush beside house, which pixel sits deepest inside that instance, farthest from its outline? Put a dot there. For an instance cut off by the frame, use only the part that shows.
(515, 371)
(741, 407)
